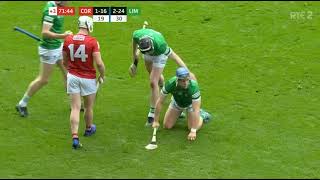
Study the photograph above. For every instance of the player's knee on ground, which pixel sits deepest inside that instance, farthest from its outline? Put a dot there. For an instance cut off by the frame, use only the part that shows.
(168, 126)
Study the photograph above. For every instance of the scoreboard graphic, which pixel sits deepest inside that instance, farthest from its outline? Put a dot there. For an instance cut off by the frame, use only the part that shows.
(99, 14)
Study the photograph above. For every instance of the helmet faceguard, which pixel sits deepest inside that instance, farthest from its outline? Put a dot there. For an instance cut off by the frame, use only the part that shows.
(145, 44)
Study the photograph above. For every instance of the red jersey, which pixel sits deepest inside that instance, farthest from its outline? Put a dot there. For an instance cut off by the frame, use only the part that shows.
(79, 49)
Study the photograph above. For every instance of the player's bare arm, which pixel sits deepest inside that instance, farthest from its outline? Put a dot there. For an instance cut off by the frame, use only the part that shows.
(180, 63)
(135, 53)
(65, 59)
(100, 65)
(135, 59)
(194, 120)
(177, 59)
(159, 105)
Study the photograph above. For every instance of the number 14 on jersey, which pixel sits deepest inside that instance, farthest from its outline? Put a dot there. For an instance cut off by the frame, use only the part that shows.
(80, 52)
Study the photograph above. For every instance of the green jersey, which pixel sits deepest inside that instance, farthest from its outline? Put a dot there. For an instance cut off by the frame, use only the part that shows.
(183, 97)
(159, 43)
(57, 27)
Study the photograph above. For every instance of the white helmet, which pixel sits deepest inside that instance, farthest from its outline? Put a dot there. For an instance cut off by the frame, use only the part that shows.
(85, 22)
(61, 3)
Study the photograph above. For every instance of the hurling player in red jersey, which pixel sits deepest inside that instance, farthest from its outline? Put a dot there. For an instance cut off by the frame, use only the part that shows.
(80, 53)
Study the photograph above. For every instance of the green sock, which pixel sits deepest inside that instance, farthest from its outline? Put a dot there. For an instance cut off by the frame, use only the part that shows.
(152, 109)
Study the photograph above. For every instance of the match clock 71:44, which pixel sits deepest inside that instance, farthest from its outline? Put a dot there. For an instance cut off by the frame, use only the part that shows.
(61, 11)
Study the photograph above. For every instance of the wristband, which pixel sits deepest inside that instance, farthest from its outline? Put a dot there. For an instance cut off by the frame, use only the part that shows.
(194, 130)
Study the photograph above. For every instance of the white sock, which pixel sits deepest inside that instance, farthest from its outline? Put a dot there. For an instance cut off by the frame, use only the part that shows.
(151, 114)
(24, 101)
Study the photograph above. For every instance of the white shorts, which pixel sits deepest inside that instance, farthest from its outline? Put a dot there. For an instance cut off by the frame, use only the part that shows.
(50, 56)
(174, 105)
(80, 85)
(158, 61)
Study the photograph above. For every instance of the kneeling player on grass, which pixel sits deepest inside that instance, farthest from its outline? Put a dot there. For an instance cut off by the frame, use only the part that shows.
(186, 96)
(80, 52)
(156, 51)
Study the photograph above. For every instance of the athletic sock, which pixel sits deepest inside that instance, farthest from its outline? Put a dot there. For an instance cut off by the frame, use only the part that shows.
(88, 128)
(160, 86)
(202, 115)
(151, 112)
(24, 101)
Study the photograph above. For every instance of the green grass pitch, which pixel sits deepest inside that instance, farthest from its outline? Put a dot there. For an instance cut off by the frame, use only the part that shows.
(258, 67)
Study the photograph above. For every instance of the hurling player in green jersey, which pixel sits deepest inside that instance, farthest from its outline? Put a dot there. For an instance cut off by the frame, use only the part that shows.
(185, 96)
(50, 52)
(155, 52)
